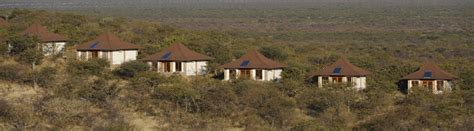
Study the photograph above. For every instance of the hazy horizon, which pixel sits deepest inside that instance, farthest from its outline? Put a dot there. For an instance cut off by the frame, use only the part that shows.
(59, 4)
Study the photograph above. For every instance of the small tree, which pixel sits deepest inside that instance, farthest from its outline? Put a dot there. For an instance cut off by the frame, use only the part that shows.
(31, 56)
(19, 44)
(26, 50)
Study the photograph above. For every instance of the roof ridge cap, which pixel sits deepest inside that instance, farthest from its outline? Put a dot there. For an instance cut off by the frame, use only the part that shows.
(180, 50)
(107, 37)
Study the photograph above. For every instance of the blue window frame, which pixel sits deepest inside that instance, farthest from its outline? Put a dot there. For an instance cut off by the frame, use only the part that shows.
(337, 70)
(428, 74)
(94, 45)
(245, 63)
(166, 56)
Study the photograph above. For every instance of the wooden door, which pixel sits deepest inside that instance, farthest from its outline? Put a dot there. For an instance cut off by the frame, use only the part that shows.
(167, 66)
(259, 74)
(337, 79)
(245, 74)
(95, 54)
(154, 66)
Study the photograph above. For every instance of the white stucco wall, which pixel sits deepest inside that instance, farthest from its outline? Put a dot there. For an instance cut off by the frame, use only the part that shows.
(115, 57)
(190, 68)
(201, 67)
(357, 82)
(80, 53)
(53, 48)
(447, 85)
(131, 55)
(277, 74)
(267, 75)
(59, 47)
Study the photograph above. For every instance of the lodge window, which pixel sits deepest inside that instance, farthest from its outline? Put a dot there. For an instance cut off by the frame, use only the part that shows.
(245, 74)
(166, 67)
(154, 66)
(325, 80)
(259, 74)
(178, 67)
(336, 79)
(105, 55)
(414, 83)
(440, 85)
(95, 54)
(428, 84)
(349, 79)
(83, 55)
(232, 74)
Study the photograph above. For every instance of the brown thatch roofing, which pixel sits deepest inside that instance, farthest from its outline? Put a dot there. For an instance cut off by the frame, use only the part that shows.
(177, 52)
(4, 23)
(253, 60)
(107, 41)
(341, 67)
(429, 71)
(43, 34)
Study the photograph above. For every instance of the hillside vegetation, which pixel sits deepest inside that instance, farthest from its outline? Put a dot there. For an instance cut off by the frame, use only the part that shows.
(64, 93)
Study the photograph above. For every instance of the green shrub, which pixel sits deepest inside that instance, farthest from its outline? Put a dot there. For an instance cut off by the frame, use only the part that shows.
(293, 73)
(44, 77)
(4, 109)
(268, 103)
(13, 72)
(275, 53)
(99, 92)
(31, 57)
(20, 43)
(179, 92)
(64, 112)
(23, 117)
(216, 97)
(317, 100)
(130, 69)
(90, 67)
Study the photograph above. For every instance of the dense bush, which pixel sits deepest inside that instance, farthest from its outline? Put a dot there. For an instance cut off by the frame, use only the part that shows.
(467, 79)
(268, 103)
(22, 117)
(179, 92)
(13, 72)
(275, 53)
(62, 112)
(90, 67)
(31, 57)
(44, 77)
(4, 108)
(318, 100)
(86, 95)
(130, 69)
(99, 92)
(20, 44)
(217, 98)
